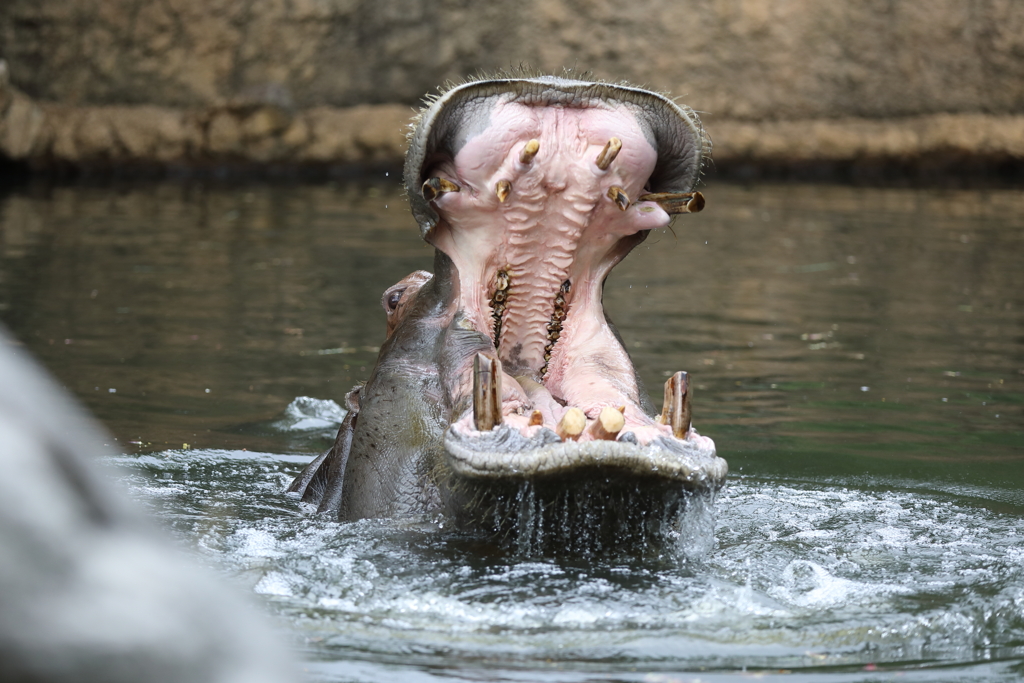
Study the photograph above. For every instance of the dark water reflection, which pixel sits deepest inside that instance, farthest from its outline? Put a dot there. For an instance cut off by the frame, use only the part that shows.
(858, 356)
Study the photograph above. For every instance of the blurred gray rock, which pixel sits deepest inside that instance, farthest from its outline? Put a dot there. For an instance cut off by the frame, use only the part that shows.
(88, 590)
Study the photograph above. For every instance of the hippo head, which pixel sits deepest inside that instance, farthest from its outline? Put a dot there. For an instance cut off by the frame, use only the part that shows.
(531, 190)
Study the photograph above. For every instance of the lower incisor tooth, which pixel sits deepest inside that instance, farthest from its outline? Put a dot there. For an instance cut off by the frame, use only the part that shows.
(572, 424)
(608, 424)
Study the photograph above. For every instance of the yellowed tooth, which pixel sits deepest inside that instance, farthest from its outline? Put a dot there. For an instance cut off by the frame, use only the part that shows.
(435, 187)
(572, 424)
(608, 154)
(619, 196)
(608, 424)
(676, 411)
(529, 151)
(486, 392)
(536, 418)
(676, 202)
(503, 189)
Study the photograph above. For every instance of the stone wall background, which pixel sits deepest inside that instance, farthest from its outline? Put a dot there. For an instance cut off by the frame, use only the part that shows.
(262, 80)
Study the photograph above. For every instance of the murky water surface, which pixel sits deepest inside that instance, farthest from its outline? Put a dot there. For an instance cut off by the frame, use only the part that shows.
(858, 356)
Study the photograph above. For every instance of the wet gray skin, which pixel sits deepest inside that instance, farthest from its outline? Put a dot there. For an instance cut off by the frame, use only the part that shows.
(503, 397)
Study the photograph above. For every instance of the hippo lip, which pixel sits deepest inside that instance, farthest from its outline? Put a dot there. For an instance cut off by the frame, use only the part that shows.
(505, 454)
(535, 189)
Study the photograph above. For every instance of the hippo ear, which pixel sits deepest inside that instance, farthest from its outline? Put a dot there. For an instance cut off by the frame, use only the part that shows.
(322, 481)
(444, 126)
(352, 398)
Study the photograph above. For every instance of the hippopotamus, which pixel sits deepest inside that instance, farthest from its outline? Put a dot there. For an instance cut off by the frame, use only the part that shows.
(503, 397)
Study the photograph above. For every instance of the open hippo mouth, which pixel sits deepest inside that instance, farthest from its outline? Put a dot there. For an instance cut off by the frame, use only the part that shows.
(503, 396)
(535, 189)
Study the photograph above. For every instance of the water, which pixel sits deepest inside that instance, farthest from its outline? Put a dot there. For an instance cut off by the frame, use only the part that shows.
(857, 355)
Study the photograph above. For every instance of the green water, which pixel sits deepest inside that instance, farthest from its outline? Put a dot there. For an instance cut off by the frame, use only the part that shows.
(858, 357)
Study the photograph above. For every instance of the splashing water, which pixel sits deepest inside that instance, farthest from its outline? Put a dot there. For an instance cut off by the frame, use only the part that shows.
(306, 414)
(794, 576)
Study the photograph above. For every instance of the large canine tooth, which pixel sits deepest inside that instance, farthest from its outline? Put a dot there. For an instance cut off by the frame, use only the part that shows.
(572, 424)
(608, 154)
(676, 202)
(486, 392)
(529, 151)
(676, 411)
(608, 424)
(435, 187)
(619, 196)
(503, 189)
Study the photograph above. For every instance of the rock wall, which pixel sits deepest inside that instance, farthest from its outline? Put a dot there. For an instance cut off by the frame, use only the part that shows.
(264, 80)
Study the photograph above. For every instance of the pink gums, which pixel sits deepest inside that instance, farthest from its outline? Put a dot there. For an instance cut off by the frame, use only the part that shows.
(558, 223)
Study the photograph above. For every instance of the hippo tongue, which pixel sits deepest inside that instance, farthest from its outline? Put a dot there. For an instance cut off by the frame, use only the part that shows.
(535, 190)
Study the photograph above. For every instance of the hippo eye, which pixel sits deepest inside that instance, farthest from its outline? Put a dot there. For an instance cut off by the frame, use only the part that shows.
(394, 298)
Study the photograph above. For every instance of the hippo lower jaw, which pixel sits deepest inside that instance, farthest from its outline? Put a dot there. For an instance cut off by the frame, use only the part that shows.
(505, 454)
(487, 445)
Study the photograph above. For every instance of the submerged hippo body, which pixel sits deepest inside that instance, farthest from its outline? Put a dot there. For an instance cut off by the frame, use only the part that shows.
(503, 396)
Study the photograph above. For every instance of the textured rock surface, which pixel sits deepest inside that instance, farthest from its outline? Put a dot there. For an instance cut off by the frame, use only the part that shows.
(47, 134)
(271, 80)
(750, 59)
